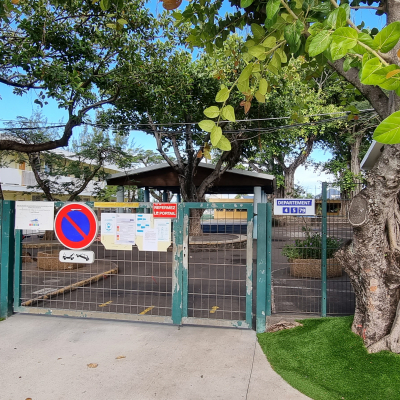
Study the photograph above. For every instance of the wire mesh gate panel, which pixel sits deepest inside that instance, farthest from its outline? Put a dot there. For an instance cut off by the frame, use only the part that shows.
(218, 266)
(296, 282)
(120, 284)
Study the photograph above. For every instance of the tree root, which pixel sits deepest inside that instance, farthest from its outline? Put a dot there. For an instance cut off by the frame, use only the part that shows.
(390, 342)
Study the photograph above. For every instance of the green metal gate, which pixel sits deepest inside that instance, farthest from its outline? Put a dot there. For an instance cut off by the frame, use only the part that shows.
(175, 266)
(180, 311)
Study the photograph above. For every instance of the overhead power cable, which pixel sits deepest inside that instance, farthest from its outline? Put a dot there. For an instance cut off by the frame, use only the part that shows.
(136, 126)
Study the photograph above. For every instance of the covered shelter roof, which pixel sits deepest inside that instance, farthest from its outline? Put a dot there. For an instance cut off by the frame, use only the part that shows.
(163, 177)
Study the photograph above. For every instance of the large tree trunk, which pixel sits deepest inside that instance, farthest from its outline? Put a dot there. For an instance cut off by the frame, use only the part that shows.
(289, 182)
(372, 260)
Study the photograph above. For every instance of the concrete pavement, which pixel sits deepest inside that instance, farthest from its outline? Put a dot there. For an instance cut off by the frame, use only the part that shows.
(45, 357)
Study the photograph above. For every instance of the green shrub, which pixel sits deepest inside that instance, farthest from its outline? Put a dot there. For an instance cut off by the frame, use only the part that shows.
(311, 246)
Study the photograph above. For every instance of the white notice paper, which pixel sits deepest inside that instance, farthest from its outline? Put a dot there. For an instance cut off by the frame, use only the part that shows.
(163, 227)
(125, 229)
(150, 240)
(34, 215)
(107, 224)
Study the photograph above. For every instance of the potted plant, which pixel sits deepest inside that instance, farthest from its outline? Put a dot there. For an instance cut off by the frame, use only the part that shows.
(305, 256)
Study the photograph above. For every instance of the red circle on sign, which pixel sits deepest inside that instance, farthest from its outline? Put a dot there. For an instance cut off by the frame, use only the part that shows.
(84, 212)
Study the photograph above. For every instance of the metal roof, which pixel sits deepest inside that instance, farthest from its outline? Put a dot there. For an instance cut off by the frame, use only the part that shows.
(372, 155)
(163, 177)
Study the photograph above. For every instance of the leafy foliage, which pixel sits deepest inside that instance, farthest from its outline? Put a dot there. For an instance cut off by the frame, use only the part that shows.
(320, 31)
(311, 246)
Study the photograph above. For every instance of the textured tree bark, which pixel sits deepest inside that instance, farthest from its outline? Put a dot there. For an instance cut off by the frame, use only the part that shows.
(372, 260)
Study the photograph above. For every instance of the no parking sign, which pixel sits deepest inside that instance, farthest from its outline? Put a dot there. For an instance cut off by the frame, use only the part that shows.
(76, 226)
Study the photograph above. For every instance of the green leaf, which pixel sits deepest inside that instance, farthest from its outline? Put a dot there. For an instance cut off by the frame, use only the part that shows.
(292, 36)
(269, 23)
(257, 30)
(366, 39)
(388, 37)
(281, 53)
(346, 64)
(257, 51)
(343, 39)
(381, 76)
(206, 125)
(260, 97)
(229, 113)
(224, 144)
(269, 42)
(346, 8)
(211, 112)
(122, 21)
(243, 86)
(388, 131)
(246, 3)
(112, 26)
(368, 76)
(105, 5)
(215, 136)
(320, 43)
(276, 61)
(263, 87)
(250, 43)
(256, 68)
(337, 18)
(245, 75)
(316, 28)
(222, 95)
(272, 8)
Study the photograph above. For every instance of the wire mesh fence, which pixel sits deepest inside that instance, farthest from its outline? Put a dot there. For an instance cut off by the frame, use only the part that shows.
(119, 281)
(217, 264)
(296, 260)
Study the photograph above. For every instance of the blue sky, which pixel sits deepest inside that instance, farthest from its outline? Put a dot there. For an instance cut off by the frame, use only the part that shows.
(12, 106)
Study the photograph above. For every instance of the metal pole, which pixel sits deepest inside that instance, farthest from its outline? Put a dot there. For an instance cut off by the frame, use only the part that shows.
(18, 268)
(146, 198)
(269, 259)
(261, 301)
(177, 267)
(324, 249)
(165, 196)
(7, 258)
(120, 197)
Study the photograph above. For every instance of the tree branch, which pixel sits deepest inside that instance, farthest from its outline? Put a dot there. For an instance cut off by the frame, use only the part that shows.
(30, 85)
(374, 94)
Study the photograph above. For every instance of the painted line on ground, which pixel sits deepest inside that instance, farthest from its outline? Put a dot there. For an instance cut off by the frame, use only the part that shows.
(146, 310)
(105, 304)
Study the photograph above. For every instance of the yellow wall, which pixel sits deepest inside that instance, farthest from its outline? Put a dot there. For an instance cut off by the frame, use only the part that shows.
(235, 213)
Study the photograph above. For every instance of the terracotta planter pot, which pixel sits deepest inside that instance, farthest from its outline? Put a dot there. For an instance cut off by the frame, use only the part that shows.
(311, 268)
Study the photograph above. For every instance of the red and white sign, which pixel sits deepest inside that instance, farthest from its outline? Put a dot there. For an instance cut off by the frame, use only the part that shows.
(165, 210)
(76, 226)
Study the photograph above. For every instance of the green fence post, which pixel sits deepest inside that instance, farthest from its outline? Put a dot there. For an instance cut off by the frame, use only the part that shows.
(17, 268)
(324, 249)
(7, 259)
(249, 267)
(269, 259)
(177, 266)
(185, 260)
(261, 267)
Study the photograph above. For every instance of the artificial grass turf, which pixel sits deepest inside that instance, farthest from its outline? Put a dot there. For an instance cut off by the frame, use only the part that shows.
(324, 360)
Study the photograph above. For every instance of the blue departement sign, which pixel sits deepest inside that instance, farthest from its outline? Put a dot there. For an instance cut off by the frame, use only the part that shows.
(294, 207)
(76, 226)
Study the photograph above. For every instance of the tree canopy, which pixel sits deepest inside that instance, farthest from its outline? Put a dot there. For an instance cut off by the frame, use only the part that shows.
(75, 53)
